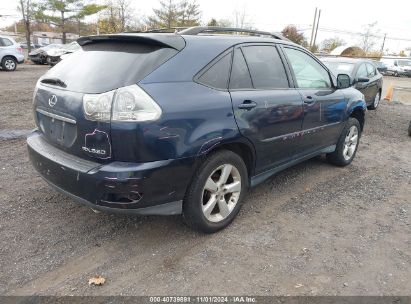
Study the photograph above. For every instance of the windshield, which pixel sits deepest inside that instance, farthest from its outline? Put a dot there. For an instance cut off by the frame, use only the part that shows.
(406, 63)
(339, 67)
(105, 66)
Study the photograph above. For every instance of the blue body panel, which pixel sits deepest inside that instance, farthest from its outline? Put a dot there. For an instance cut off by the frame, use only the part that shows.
(155, 161)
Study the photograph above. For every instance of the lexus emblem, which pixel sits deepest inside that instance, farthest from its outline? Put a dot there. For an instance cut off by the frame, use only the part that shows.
(52, 101)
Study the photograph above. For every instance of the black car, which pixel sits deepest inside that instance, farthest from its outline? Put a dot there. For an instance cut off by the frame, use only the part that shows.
(184, 123)
(365, 77)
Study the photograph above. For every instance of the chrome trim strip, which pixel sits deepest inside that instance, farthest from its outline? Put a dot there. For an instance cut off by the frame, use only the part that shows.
(306, 131)
(59, 117)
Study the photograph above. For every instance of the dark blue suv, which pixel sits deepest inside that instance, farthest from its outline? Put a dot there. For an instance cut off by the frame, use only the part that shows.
(184, 123)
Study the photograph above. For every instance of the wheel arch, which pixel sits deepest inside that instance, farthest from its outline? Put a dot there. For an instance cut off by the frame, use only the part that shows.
(359, 114)
(11, 56)
(242, 148)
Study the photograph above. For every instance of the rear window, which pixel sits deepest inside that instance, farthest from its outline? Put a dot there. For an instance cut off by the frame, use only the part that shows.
(340, 67)
(104, 66)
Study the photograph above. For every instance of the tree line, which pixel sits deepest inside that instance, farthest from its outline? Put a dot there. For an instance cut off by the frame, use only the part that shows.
(114, 16)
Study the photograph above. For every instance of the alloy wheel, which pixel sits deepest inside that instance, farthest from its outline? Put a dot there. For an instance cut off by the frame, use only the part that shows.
(221, 193)
(377, 100)
(350, 143)
(10, 64)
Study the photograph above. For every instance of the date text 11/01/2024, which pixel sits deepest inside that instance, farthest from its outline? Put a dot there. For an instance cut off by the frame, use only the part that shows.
(203, 299)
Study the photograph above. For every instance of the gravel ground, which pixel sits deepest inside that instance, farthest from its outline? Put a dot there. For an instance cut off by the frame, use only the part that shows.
(313, 229)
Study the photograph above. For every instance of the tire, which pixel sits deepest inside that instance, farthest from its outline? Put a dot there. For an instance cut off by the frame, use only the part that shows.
(210, 174)
(376, 101)
(8, 64)
(396, 74)
(347, 144)
(409, 129)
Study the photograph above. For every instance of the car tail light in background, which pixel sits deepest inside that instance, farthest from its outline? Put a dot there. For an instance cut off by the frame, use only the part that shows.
(128, 104)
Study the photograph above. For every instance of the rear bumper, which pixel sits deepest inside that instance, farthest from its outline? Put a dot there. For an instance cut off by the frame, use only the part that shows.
(20, 59)
(154, 188)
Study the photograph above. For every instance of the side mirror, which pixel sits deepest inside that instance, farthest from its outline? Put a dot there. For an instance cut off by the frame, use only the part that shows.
(395, 63)
(343, 81)
(362, 79)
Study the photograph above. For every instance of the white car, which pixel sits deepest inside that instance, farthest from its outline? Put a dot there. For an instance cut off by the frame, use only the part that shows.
(11, 53)
(398, 66)
(55, 55)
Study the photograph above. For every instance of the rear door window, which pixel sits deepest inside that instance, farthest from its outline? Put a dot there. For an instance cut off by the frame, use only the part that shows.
(240, 76)
(104, 66)
(217, 75)
(265, 66)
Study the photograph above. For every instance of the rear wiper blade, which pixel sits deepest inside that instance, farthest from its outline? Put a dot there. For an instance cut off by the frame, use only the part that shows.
(54, 81)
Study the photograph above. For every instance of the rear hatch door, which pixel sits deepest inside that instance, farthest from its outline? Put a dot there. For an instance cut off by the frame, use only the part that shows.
(103, 64)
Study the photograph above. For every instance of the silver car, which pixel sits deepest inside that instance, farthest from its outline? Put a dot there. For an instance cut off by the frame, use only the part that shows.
(11, 53)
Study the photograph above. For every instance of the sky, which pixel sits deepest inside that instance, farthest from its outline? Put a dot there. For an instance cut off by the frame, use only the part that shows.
(393, 18)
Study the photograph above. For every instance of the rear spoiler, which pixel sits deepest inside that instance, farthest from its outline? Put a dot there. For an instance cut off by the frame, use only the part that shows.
(165, 40)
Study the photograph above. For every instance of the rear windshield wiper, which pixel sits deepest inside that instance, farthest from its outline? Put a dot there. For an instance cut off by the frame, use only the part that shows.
(54, 81)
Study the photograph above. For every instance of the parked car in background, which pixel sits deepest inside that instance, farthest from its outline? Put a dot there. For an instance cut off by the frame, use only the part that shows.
(122, 128)
(365, 77)
(398, 67)
(55, 55)
(381, 67)
(11, 53)
(39, 56)
(33, 45)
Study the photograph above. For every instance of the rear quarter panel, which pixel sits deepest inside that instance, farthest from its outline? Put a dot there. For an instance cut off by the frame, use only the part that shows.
(194, 120)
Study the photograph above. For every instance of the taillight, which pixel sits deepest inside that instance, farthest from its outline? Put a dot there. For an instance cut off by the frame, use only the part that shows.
(133, 104)
(20, 50)
(128, 104)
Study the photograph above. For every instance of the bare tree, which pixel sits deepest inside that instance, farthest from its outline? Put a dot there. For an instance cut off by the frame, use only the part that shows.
(368, 37)
(124, 13)
(26, 7)
(220, 22)
(242, 19)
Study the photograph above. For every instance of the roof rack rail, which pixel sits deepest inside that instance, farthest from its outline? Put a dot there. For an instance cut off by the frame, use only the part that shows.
(161, 30)
(216, 29)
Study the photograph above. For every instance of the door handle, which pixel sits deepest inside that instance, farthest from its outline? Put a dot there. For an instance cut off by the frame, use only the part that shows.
(247, 105)
(309, 99)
